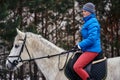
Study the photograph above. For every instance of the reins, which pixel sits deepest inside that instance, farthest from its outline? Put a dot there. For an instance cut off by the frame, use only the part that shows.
(48, 56)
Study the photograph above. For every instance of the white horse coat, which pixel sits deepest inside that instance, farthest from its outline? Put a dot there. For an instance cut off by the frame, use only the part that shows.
(39, 47)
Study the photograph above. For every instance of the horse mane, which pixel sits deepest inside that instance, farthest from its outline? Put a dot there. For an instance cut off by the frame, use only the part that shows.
(38, 39)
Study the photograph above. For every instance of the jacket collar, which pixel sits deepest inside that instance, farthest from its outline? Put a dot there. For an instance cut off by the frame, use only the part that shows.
(89, 17)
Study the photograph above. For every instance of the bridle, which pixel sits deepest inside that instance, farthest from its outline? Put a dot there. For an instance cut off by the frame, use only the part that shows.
(19, 59)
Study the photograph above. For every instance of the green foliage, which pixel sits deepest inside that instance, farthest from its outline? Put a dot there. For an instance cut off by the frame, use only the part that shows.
(3, 11)
(31, 28)
(63, 5)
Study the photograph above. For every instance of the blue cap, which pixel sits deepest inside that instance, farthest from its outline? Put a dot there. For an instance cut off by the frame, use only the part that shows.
(90, 7)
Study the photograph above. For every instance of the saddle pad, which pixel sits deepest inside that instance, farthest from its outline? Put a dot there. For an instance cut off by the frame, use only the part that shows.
(99, 70)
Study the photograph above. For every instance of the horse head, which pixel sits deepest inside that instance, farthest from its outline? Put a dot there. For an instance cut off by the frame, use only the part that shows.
(18, 52)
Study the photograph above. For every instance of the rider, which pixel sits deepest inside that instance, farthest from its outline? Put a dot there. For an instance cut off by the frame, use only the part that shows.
(90, 44)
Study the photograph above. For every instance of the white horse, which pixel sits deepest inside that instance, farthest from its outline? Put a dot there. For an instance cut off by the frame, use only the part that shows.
(36, 46)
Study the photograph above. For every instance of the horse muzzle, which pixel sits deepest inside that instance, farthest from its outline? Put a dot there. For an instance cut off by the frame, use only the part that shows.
(11, 65)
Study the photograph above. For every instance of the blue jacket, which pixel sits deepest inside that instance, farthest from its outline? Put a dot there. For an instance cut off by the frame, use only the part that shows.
(91, 35)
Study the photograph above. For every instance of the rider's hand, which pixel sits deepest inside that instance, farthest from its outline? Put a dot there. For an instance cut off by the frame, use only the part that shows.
(76, 48)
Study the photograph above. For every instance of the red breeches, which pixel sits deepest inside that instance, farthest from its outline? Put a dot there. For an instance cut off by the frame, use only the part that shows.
(81, 62)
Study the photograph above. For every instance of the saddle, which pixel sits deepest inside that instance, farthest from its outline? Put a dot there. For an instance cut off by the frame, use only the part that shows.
(97, 69)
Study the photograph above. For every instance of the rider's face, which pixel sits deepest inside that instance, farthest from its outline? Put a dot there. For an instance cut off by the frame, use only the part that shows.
(85, 13)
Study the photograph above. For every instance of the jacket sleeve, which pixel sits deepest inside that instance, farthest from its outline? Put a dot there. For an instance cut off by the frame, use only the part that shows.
(92, 37)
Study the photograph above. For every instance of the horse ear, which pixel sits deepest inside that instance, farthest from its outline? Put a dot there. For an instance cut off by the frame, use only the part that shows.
(20, 32)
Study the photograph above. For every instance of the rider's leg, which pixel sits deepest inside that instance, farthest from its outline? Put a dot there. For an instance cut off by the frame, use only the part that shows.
(81, 62)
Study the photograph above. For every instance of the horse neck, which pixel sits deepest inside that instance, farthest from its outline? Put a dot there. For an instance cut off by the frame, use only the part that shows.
(49, 66)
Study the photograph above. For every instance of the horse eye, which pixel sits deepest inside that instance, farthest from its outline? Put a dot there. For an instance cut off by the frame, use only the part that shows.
(16, 46)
